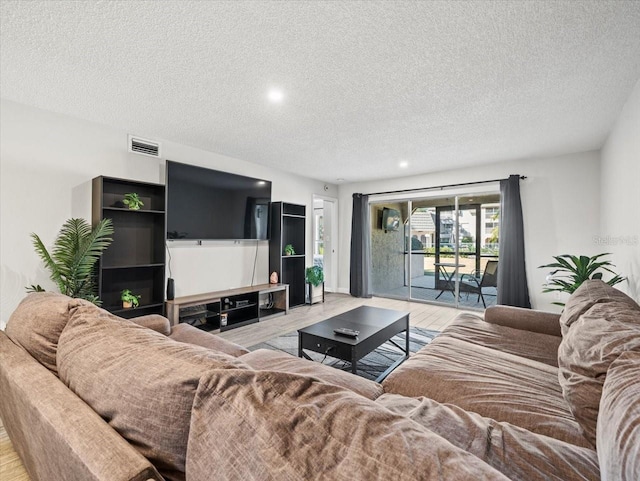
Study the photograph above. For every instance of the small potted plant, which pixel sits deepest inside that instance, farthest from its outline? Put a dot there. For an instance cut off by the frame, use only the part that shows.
(289, 250)
(129, 299)
(314, 277)
(132, 200)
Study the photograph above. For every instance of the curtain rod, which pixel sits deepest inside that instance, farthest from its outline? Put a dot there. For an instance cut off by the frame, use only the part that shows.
(441, 187)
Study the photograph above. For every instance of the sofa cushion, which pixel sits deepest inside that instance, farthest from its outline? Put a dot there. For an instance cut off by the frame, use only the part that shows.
(590, 293)
(141, 382)
(37, 323)
(268, 360)
(532, 345)
(618, 430)
(192, 335)
(491, 383)
(512, 450)
(293, 428)
(593, 342)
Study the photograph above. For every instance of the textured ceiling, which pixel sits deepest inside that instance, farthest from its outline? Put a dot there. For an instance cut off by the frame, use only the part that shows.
(366, 84)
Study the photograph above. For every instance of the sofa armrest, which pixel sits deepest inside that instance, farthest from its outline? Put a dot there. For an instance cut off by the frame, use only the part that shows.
(524, 319)
(192, 335)
(154, 321)
(55, 433)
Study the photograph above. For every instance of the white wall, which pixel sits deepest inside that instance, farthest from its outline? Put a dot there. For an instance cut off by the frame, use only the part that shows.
(620, 200)
(560, 202)
(47, 162)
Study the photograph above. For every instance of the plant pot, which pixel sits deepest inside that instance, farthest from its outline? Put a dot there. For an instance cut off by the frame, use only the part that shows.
(315, 294)
(127, 304)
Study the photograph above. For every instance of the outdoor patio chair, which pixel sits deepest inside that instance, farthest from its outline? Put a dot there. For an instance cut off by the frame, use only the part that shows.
(475, 282)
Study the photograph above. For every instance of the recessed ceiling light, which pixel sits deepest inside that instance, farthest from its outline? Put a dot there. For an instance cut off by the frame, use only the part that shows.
(275, 95)
(403, 164)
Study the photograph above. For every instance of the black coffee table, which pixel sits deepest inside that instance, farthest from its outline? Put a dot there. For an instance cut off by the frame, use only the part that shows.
(376, 326)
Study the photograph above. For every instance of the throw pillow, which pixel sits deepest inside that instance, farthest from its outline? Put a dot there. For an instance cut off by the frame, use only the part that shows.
(590, 293)
(37, 323)
(618, 431)
(592, 343)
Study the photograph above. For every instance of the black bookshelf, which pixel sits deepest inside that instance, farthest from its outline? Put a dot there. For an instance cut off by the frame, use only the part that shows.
(136, 258)
(288, 226)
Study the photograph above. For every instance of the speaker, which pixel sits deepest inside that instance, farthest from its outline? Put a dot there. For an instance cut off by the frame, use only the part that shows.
(171, 290)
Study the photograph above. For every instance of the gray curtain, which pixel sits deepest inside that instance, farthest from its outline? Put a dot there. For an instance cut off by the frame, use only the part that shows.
(360, 275)
(512, 278)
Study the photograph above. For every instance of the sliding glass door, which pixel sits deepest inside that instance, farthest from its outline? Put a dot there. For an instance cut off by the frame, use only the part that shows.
(444, 250)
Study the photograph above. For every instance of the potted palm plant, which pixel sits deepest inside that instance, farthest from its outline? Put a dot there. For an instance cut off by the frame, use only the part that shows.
(571, 271)
(314, 277)
(129, 299)
(72, 260)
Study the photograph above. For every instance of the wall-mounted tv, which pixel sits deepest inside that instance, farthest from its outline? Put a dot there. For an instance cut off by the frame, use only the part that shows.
(390, 219)
(206, 204)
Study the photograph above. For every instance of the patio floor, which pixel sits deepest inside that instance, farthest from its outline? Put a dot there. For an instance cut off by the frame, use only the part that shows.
(423, 288)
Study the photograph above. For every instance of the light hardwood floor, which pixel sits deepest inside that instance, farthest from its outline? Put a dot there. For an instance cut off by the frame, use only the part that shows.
(427, 316)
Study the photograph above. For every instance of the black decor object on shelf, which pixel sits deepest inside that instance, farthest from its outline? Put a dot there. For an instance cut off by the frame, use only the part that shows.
(136, 258)
(288, 229)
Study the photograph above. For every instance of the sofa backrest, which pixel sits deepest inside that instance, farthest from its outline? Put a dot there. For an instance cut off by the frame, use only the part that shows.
(276, 426)
(141, 382)
(601, 323)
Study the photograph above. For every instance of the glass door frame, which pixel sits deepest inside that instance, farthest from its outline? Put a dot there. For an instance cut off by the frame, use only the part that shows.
(427, 194)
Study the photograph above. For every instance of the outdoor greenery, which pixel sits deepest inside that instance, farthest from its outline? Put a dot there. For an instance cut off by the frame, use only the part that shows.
(133, 201)
(129, 297)
(571, 271)
(75, 252)
(314, 275)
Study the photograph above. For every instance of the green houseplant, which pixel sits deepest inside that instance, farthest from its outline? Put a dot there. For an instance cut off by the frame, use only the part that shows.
(129, 299)
(314, 277)
(132, 200)
(289, 250)
(571, 271)
(75, 252)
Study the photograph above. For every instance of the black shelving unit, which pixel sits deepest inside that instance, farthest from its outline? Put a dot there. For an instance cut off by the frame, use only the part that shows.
(288, 226)
(136, 258)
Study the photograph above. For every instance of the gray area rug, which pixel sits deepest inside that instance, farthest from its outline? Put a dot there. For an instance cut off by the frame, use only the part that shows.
(370, 366)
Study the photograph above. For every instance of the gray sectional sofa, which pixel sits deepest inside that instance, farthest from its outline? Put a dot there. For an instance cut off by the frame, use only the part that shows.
(520, 394)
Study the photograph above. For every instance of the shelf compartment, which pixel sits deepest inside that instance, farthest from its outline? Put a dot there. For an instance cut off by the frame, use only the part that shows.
(147, 282)
(152, 195)
(231, 309)
(198, 315)
(137, 240)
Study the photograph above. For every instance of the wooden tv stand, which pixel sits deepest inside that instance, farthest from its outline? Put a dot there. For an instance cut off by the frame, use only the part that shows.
(242, 306)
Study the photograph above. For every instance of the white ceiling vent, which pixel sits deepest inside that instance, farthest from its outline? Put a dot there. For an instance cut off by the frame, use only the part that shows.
(138, 145)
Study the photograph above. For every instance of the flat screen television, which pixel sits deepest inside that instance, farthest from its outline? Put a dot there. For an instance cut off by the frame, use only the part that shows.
(390, 219)
(206, 204)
